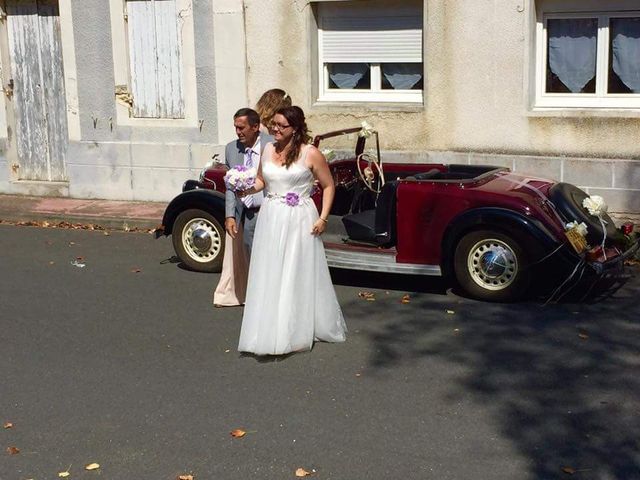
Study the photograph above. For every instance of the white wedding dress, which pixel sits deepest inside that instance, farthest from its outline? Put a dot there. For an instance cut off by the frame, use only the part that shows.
(290, 298)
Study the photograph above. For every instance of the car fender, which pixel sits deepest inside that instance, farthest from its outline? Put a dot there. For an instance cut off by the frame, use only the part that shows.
(501, 219)
(210, 201)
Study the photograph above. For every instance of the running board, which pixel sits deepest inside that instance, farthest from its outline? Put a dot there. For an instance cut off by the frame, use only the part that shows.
(376, 262)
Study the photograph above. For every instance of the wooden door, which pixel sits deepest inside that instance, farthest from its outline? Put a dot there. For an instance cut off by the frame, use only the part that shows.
(37, 79)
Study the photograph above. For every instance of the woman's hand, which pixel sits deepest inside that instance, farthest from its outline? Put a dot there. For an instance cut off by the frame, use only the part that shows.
(319, 227)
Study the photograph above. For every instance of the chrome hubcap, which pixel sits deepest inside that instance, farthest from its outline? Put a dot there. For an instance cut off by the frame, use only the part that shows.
(201, 240)
(492, 264)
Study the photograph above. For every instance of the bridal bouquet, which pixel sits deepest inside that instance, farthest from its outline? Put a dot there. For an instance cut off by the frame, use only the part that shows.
(240, 178)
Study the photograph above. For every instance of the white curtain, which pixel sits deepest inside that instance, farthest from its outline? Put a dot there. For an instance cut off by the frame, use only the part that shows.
(402, 76)
(625, 33)
(572, 50)
(347, 75)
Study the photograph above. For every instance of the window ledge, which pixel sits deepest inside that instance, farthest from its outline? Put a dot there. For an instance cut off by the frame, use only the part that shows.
(583, 112)
(332, 107)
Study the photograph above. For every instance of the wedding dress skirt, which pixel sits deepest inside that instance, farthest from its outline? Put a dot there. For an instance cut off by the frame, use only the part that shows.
(290, 298)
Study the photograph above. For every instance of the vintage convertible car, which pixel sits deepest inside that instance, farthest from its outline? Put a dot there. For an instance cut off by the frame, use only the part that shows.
(490, 230)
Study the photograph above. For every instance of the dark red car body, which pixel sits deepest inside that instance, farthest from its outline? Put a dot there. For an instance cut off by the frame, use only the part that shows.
(421, 219)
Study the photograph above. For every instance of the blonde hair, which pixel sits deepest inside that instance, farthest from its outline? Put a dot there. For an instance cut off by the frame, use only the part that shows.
(270, 102)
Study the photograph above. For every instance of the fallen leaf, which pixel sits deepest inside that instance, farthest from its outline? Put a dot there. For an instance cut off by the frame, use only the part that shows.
(301, 472)
(583, 336)
(450, 312)
(13, 450)
(569, 470)
(185, 477)
(8, 425)
(65, 473)
(406, 299)
(238, 433)
(368, 296)
(92, 466)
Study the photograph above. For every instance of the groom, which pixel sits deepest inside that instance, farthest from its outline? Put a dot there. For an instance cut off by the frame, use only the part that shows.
(246, 151)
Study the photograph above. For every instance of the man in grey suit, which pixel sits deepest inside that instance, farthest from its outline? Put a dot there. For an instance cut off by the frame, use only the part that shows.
(246, 151)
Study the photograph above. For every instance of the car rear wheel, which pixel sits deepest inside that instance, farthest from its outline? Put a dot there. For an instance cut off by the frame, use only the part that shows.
(198, 239)
(489, 266)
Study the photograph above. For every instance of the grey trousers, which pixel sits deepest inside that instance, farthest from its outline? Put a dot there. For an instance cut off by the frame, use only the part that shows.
(248, 220)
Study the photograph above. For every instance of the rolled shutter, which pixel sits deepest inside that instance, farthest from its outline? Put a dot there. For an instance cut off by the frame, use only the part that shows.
(371, 39)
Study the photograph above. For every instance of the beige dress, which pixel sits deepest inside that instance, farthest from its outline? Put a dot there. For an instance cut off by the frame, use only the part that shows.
(232, 286)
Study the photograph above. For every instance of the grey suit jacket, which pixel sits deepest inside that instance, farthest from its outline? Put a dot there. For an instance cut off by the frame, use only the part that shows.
(234, 156)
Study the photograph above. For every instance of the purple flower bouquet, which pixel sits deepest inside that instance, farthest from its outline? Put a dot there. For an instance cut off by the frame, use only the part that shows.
(240, 178)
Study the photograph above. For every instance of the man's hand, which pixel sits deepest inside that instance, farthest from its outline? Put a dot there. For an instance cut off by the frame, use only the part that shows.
(231, 227)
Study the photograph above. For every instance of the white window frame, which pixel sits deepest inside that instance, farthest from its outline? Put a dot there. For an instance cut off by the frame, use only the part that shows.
(599, 99)
(119, 35)
(376, 94)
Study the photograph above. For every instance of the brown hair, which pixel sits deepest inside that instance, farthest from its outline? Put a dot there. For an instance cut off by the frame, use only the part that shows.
(269, 103)
(295, 117)
(252, 116)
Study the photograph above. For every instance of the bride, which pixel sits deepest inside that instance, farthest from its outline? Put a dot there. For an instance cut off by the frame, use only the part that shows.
(290, 299)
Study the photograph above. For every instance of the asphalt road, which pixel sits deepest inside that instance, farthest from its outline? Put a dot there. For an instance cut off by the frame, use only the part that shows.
(125, 362)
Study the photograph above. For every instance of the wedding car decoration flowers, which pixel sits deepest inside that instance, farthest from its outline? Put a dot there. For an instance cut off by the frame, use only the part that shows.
(328, 154)
(240, 178)
(595, 205)
(366, 131)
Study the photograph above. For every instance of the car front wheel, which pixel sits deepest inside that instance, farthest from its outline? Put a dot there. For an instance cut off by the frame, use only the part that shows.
(198, 239)
(490, 266)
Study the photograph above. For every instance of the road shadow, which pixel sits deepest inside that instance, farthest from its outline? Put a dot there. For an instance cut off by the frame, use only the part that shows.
(562, 380)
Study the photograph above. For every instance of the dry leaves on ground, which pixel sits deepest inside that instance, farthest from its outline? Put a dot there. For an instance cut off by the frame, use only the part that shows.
(8, 425)
(368, 296)
(13, 450)
(184, 477)
(572, 471)
(237, 433)
(301, 472)
(77, 226)
(66, 473)
(406, 299)
(632, 262)
(92, 466)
